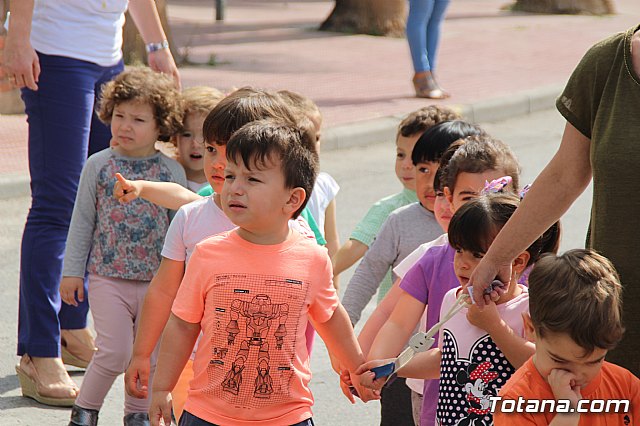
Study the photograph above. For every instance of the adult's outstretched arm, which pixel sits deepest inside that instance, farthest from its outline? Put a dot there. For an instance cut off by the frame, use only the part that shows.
(552, 193)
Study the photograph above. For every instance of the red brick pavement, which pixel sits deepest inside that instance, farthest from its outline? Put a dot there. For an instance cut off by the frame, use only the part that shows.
(485, 53)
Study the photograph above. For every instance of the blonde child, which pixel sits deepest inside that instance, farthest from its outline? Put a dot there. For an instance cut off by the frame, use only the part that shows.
(322, 200)
(252, 364)
(119, 245)
(575, 318)
(478, 349)
(473, 161)
(194, 222)
(409, 130)
(188, 142)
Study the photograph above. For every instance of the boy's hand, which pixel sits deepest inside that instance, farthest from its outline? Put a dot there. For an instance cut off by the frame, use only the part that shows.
(365, 394)
(563, 386)
(69, 287)
(160, 408)
(335, 364)
(126, 190)
(136, 379)
(346, 385)
(486, 318)
(367, 377)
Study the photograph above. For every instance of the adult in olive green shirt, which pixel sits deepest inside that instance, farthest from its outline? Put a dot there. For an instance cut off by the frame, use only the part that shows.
(601, 104)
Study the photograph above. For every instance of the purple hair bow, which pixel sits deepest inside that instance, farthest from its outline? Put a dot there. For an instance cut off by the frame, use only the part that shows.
(524, 191)
(496, 185)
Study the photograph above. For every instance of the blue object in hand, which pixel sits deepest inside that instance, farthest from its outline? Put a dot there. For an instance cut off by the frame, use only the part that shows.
(384, 370)
(494, 284)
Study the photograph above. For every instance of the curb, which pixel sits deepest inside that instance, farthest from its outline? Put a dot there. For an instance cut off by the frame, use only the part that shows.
(363, 133)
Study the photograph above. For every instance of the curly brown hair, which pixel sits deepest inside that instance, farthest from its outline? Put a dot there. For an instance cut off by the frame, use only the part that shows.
(425, 118)
(479, 153)
(141, 84)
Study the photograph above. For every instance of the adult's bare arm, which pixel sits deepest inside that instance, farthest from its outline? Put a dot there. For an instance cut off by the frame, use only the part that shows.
(145, 16)
(552, 193)
(20, 59)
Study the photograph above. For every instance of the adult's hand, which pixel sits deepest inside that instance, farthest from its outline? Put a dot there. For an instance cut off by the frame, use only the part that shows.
(162, 61)
(481, 278)
(145, 15)
(21, 62)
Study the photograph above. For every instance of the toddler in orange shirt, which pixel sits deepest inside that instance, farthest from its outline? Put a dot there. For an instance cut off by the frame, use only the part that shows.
(575, 318)
(252, 291)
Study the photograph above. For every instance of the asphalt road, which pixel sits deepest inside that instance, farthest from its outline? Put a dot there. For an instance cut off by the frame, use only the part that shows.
(365, 175)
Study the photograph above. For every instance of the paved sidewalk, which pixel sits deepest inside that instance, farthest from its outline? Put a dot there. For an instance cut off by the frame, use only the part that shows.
(495, 63)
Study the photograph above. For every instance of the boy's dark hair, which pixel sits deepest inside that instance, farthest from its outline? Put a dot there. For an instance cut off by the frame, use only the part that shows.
(244, 106)
(577, 293)
(474, 226)
(260, 142)
(480, 153)
(424, 118)
(434, 141)
(141, 84)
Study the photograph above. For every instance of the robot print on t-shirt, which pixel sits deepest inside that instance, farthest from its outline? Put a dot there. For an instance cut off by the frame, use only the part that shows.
(254, 337)
(259, 316)
(468, 381)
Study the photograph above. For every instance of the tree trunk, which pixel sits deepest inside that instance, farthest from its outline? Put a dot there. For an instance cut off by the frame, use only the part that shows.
(133, 45)
(594, 7)
(374, 17)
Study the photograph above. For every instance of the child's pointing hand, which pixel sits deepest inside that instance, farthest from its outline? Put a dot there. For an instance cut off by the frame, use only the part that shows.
(125, 190)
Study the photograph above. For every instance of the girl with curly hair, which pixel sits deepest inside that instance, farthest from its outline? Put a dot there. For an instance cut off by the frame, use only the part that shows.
(119, 245)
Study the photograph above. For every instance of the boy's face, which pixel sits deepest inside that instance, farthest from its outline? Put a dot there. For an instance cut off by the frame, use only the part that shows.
(256, 199)
(425, 173)
(405, 170)
(559, 351)
(134, 128)
(442, 211)
(214, 162)
(190, 144)
(469, 186)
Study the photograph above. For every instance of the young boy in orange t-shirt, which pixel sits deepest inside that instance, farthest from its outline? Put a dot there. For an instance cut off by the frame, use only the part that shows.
(575, 318)
(252, 291)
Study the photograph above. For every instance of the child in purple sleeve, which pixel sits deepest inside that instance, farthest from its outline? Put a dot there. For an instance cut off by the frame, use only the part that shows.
(478, 350)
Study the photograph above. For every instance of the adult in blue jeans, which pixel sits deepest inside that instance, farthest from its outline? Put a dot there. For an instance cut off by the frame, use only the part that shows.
(423, 34)
(60, 55)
